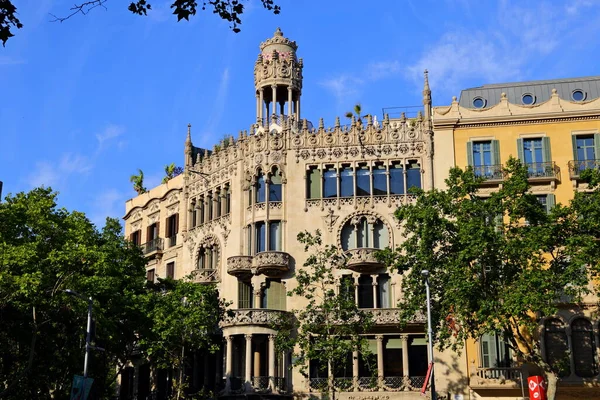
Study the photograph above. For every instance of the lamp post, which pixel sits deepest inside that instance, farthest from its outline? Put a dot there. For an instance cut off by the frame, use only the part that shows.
(88, 338)
(425, 274)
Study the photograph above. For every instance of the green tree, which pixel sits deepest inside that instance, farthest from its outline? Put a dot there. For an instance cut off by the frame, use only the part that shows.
(498, 264)
(185, 318)
(138, 182)
(171, 171)
(228, 10)
(327, 330)
(356, 112)
(43, 251)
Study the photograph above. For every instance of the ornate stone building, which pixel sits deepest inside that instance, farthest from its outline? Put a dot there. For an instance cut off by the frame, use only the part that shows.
(233, 216)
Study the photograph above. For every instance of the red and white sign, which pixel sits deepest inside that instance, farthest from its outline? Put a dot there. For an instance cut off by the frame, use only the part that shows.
(537, 388)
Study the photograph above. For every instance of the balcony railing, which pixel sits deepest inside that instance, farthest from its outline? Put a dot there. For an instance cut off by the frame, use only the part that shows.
(576, 167)
(542, 171)
(497, 377)
(240, 266)
(271, 263)
(363, 259)
(490, 173)
(369, 384)
(260, 383)
(155, 245)
(254, 316)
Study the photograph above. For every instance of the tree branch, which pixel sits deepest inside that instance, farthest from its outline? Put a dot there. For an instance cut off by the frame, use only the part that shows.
(82, 8)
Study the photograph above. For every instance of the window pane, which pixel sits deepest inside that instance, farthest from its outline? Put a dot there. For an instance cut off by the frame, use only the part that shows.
(274, 236)
(346, 182)
(260, 236)
(330, 183)
(362, 233)
(384, 295)
(556, 344)
(260, 189)
(396, 179)
(413, 176)
(380, 235)
(365, 292)
(363, 184)
(584, 354)
(275, 187)
(348, 237)
(379, 181)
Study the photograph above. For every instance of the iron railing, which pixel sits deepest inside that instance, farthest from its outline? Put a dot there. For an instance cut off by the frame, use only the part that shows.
(318, 384)
(152, 246)
(280, 384)
(542, 170)
(500, 373)
(489, 172)
(576, 167)
(343, 384)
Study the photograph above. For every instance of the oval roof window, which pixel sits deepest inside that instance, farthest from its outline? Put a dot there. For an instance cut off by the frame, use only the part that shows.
(479, 102)
(528, 99)
(578, 95)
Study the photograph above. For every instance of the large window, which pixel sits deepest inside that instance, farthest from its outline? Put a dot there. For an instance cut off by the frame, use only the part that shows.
(556, 346)
(384, 291)
(396, 179)
(495, 352)
(275, 193)
(585, 147)
(365, 292)
(484, 157)
(379, 180)
(413, 176)
(313, 183)
(584, 348)
(244, 294)
(274, 236)
(260, 188)
(535, 154)
(330, 183)
(274, 295)
(208, 257)
(172, 229)
(363, 181)
(266, 236)
(170, 273)
(260, 238)
(346, 182)
(363, 231)
(136, 237)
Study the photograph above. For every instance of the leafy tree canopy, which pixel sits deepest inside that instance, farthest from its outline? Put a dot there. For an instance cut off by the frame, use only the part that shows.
(497, 264)
(228, 10)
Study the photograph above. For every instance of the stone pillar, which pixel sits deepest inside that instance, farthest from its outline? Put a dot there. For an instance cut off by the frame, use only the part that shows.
(262, 104)
(228, 361)
(289, 101)
(380, 371)
(356, 276)
(272, 361)
(405, 366)
(207, 204)
(257, 296)
(374, 283)
(258, 105)
(248, 360)
(257, 363)
(274, 89)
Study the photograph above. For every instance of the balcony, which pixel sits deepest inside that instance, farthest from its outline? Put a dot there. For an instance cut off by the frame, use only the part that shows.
(271, 263)
(255, 317)
(391, 316)
(496, 378)
(239, 266)
(363, 260)
(576, 167)
(489, 173)
(205, 275)
(153, 247)
(542, 171)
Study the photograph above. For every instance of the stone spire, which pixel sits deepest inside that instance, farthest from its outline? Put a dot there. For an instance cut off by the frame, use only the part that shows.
(427, 100)
(188, 147)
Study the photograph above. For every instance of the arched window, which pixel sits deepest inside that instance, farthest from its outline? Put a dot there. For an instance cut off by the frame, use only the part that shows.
(208, 257)
(556, 346)
(364, 232)
(275, 186)
(584, 348)
(260, 188)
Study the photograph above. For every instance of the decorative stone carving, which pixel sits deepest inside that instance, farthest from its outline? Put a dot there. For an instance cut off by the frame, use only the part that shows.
(154, 206)
(152, 218)
(363, 260)
(205, 275)
(259, 317)
(271, 263)
(330, 219)
(240, 266)
(173, 209)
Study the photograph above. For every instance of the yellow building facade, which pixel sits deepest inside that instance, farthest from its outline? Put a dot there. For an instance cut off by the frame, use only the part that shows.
(553, 127)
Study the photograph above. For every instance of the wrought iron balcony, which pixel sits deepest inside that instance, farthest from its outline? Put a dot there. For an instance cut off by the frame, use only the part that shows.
(254, 316)
(490, 173)
(542, 171)
(154, 246)
(497, 377)
(240, 266)
(271, 263)
(576, 167)
(363, 260)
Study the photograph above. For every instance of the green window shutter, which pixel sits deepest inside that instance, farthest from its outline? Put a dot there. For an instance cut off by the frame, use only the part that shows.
(314, 183)
(597, 146)
(520, 150)
(276, 296)
(495, 152)
(550, 202)
(469, 153)
(546, 152)
(574, 139)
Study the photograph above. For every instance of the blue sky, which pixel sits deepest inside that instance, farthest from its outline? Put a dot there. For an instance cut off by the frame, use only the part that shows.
(89, 101)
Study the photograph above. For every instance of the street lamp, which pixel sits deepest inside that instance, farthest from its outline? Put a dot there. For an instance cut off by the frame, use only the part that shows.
(425, 274)
(88, 338)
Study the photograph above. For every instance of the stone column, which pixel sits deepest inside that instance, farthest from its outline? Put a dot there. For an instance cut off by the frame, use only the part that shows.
(374, 283)
(257, 296)
(257, 363)
(380, 371)
(248, 360)
(404, 341)
(356, 289)
(207, 204)
(274, 89)
(262, 104)
(258, 105)
(289, 101)
(272, 361)
(228, 361)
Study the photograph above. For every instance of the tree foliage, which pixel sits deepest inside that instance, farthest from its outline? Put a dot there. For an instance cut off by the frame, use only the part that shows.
(228, 10)
(327, 329)
(171, 171)
(498, 264)
(138, 182)
(44, 250)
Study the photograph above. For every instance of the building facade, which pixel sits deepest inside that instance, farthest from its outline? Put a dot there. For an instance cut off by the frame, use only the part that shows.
(553, 127)
(233, 216)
